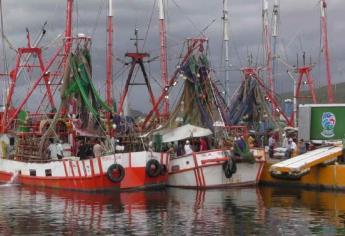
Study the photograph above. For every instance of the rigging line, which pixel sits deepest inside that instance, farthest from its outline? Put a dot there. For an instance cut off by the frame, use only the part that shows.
(235, 46)
(149, 25)
(207, 27)
(120, 72)
(154, 78)
(99, 12)
(55, 42)
(188, 18)
(283, 45)
(54, 16)
(286, 63)
(301, 29)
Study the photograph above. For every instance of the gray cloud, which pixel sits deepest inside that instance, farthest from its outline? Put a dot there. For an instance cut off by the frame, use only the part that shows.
(300, 31)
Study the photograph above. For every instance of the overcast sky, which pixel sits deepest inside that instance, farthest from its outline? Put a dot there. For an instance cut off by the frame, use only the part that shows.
(299, 31)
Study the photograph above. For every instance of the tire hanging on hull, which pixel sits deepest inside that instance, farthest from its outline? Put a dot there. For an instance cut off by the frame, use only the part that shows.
(116, 168)
(153, 168)
(229, 168)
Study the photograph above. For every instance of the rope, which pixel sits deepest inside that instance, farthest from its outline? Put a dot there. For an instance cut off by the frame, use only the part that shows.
(188, 18)
(98, 16)
(149, 25)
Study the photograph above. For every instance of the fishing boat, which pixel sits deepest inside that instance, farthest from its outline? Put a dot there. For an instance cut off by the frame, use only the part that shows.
(42, 136)
(200, 112)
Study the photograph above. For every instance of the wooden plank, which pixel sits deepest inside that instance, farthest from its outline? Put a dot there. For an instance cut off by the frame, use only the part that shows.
(307, 160)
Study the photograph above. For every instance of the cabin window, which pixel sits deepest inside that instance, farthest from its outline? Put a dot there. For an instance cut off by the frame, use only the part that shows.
(11, 141)
(48, 172)
(187, 162)
(175, 168)
(32, 172)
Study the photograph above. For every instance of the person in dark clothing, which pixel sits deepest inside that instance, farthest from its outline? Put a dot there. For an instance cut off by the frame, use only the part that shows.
(180, 149)
(82, 150)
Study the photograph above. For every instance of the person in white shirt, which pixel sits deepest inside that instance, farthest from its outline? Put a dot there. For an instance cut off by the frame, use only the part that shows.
(98, 149)
(271, 145)
(285, 141)
(59, 150)
(52, 151)
(187, 148)
(291, 147)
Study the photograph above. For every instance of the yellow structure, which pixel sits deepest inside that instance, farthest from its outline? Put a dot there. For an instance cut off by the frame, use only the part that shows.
(300, 165)
(330, 177)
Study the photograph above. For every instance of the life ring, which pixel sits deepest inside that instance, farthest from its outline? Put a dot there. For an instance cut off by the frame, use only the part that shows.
(153, 168)
(164, 169)
(116, 173)
(229, 168)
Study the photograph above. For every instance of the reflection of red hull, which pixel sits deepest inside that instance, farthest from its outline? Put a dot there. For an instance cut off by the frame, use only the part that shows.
(138, 198)
(135, 178)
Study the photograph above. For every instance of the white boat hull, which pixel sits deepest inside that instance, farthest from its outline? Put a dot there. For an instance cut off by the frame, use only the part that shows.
(205, 170)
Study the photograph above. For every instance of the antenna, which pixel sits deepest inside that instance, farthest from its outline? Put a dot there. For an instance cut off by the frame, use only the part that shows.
(136, 39)
(226, 43)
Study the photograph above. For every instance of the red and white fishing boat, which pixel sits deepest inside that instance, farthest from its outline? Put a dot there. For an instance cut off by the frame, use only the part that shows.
(214, 169)
(123, 171)
(27, 127)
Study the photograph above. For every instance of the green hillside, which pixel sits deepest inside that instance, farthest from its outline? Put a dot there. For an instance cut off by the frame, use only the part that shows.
(321, 94)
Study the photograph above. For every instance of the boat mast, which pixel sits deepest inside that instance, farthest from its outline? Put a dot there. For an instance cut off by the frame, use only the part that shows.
(68, 27)
(325, 48)
(267, 47)
(226, 45)
(109, 61)
(275, 34)
(163, 54)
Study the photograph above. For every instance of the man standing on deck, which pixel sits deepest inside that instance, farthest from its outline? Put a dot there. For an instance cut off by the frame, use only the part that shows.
(52, 150)
(271, 145)
(59, 150)
(98, 149)
(291, 148)
(187, 148)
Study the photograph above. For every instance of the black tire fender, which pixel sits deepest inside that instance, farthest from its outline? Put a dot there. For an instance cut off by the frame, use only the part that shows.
(118, 168)
(229, 168)
(156, 170)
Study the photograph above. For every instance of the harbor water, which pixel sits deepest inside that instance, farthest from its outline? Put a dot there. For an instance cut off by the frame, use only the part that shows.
(249, 211)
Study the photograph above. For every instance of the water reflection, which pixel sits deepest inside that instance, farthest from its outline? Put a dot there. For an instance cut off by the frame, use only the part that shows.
(264, 211)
